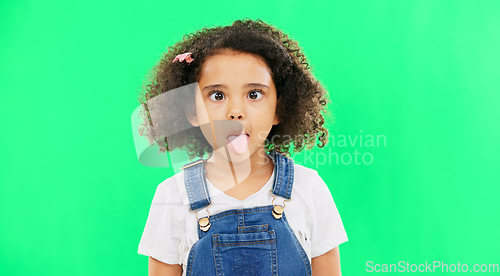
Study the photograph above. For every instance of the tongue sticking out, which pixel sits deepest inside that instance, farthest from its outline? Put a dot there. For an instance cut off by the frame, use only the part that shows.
(238, 143)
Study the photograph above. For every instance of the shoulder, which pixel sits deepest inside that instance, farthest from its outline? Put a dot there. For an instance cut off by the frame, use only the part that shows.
(172, 190)
(311, 186)
(303, 171)
(305, 177)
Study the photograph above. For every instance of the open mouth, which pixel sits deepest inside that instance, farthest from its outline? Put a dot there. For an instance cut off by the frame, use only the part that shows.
(238, 142)
(238, 132)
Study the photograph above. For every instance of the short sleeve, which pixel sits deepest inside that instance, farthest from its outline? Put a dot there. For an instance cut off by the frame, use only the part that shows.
(162, 234)
(328, 231)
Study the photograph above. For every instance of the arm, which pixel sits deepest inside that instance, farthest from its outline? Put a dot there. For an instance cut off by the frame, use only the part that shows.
(327, 264)
(157, 268)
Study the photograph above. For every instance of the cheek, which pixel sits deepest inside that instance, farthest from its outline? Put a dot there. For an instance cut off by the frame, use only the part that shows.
(201, 111)
(263, 120)
(270, 111)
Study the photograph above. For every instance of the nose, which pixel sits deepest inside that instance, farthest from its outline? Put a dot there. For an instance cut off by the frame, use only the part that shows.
(235, 112)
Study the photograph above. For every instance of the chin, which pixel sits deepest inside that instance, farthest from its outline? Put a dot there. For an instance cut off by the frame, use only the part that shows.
(233, 157)
(239, 158)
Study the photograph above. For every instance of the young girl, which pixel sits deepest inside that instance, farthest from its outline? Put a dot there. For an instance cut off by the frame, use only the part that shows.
(243, 95)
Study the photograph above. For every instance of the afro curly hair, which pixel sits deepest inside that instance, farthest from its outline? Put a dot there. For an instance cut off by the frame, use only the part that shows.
(301, 98)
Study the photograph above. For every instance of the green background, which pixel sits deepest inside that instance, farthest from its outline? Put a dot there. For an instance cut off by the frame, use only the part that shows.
(425, 74)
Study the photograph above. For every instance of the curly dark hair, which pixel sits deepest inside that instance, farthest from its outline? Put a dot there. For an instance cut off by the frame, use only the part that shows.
(301, 98)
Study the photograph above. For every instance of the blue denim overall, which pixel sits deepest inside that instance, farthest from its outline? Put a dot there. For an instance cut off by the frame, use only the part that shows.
(249, 241)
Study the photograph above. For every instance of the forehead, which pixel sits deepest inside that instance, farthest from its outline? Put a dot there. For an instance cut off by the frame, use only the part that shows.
(235, 67)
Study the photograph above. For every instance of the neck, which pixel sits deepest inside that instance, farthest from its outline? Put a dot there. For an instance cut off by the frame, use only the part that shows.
(228, 172)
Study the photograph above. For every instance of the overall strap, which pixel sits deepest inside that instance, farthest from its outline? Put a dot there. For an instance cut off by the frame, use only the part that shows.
(196, 186)
(283, 179)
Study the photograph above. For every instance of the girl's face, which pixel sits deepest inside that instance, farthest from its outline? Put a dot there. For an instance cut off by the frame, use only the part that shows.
(236, 87)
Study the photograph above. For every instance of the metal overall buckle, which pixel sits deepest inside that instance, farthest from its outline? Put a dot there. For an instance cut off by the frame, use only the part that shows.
(204, 222)
(277, 209)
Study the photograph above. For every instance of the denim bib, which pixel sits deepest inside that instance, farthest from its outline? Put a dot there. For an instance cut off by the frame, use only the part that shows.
(249, 241)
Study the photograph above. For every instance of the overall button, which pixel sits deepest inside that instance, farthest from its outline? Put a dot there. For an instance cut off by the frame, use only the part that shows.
(204, 224)
(277, 211)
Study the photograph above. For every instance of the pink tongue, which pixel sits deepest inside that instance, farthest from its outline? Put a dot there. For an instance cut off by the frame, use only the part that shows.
(238, 143)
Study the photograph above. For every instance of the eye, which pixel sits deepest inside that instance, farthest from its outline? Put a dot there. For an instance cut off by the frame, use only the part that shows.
(255, 94)
(216, 96)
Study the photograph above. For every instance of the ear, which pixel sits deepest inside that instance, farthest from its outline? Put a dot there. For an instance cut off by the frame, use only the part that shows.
(193, 119)
(276, 119)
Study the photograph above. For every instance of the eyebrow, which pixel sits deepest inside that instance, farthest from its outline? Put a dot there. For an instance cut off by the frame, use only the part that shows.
(214, 86)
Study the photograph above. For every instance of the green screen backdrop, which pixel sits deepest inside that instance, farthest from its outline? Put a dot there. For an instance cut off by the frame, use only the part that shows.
(412, 161)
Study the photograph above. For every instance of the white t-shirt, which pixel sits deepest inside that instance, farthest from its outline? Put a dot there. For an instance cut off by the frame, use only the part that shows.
(171, 229)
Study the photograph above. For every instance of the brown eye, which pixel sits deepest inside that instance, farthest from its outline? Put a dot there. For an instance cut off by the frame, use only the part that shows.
(255, 94)
(216, 96)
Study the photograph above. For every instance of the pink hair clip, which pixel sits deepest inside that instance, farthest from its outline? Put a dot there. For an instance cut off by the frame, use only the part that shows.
(181, 57)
